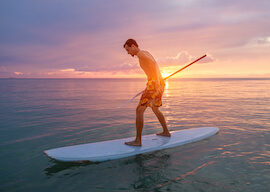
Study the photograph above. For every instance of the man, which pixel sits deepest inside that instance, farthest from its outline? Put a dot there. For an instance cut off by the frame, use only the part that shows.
(151, 97)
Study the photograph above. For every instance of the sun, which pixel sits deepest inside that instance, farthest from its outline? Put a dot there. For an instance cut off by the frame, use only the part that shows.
(165, 74)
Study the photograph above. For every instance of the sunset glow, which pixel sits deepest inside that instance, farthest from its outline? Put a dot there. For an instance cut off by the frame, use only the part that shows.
(84, 39)
(165, 74)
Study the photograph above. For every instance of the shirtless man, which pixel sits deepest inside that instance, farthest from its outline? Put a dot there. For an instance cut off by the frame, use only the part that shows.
(151, 96)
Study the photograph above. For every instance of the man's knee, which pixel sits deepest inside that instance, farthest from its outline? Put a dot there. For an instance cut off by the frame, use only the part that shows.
(155, 109)
(140, 109)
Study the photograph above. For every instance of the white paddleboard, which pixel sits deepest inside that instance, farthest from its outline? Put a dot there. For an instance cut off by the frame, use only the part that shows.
(116, 149)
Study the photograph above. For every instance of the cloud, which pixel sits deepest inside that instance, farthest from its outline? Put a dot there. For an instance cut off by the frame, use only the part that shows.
(18, 73)
(180, 59)
(208, 59)
(183, 57)
(263, 40)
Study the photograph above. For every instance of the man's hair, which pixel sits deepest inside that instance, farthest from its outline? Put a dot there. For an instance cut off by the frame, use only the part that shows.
(129, 42)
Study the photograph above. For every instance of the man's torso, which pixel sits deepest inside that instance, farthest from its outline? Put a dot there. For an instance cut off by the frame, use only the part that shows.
(149, 65)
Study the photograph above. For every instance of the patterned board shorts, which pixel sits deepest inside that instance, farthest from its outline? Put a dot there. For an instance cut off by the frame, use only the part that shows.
(152, 94)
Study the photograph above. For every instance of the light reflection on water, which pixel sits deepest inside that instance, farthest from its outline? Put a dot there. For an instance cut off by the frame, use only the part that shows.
(41, 114)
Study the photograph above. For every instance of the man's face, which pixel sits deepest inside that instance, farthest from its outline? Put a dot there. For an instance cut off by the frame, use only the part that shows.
(130, 50)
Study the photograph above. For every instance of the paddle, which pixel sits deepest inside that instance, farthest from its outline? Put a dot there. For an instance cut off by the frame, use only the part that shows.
(163, 79)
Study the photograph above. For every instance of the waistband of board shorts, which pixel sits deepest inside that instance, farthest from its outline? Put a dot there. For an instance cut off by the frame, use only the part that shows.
(154, 84)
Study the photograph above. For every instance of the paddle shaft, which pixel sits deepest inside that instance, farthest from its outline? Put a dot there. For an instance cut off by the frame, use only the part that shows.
(184, 67)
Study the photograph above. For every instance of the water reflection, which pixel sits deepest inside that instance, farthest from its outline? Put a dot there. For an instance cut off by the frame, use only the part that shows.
(183, 176)
(166, 91)
(150, 169)
(58, 167)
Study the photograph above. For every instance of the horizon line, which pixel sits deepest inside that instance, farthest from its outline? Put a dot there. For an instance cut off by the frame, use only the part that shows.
(133, 78)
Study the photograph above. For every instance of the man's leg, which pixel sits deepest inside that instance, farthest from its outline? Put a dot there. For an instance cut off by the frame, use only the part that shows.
(162, 121)
(139, 126)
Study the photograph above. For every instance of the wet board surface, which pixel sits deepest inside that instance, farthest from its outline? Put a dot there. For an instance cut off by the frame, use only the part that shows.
(116, 149)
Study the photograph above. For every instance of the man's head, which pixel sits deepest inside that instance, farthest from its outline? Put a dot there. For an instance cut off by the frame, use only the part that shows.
(131, 47)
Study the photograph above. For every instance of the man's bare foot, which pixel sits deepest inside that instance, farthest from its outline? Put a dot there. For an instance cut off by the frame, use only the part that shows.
(134, 143)
(166, 134)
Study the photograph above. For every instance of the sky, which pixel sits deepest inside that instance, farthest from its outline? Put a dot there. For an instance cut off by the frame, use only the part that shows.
(84, 38)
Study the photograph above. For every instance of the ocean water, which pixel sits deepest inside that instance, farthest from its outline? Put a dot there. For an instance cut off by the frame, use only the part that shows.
(40, 114)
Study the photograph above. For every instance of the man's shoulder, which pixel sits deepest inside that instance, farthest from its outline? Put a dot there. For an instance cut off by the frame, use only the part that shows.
(145, 55)
(142, 53)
